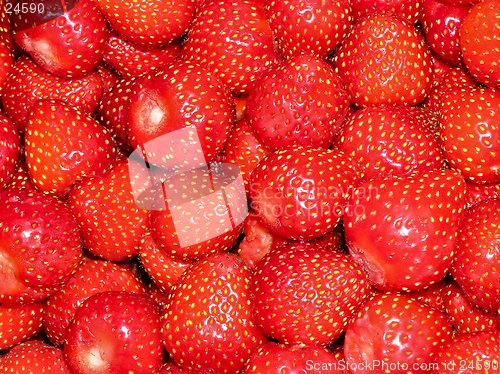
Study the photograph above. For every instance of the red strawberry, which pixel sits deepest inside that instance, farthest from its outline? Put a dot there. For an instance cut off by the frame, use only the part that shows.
(244, 150)
(389, 141)
(28, 83)
(297, 102)
(439, 68)
(21, 178)
(237, 45)
(6, 37)
(10, 150)
(442, 24)
(476, 353)
(402, 230)
(300, 193)
(64, 145)
(476, 263)
(112, 225)
(311, 27)
(6, 63)
(480, 43)
(164, 270)
(434, 296)
(305, 294)
(115, 332)
(394, 333)
(477, 193)
(19, 323)
(93, 277)
(212, 304)
(158, 296)
(470, 132)
(70, 43)
(34, 356)
(149, 22)
(384, 61)
(39, 240)
(272, 358)
(409, 10)
(178, 96)
(171, 368)
(464, 316)
(130, 60)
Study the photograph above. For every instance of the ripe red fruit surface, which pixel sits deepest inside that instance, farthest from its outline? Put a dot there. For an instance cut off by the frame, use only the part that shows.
(27, 83)
(305, 294)
(91, 278)
(395, 329)
(10, 150)
(6, 63)
(212, 304)
(481, 192)
(40, 242)
(34, 356)
(301, 192)
(409, 10)
(297, 102)
(149, 22)
(64, 145)
(404, 230)
(237, 45)
(19, 323)
(470, 132)
(389, 140)
(384, 60)
(308, 27)
(67, 39)
(477, 261)
(115, 332)
(480, 44)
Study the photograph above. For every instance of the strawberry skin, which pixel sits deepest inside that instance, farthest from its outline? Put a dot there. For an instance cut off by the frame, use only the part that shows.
(393, 328)
(64, 145)
(10, 150)
(402, 230)
(384, 61)
(409, 10)
(297, 102)
(6, 63)
(115, 332)
(70, 45)
(301, 192)
(305, 294)
(212, 304)
(19, 323)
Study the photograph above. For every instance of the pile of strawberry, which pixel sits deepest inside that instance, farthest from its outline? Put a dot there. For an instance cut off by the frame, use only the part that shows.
(367, 133)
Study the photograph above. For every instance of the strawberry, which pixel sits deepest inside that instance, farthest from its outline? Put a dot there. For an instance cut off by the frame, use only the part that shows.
(39, 240)
(63, 145)
(305, 294)
(93, 277)
(384, 60)
(6, 63)
(6, 37)
(469, 133)
(20, 178)
(477, 193)
(402, 230)
(442, 23)
(178, 96)
(389, 141)
(112, 225)
(301, 193)
(310, 27)
(130, 60)
(212, 304)
(34, 356)
(19, 323)
(70, 44)
(297, 102)
(480, 44)
(237, 45)
(476, 263)
(465, 317)
(149, 22)
(469, 353)
(115, 332)
(434, 296)
(409, 10)
(171, 368)
(109, 78)
(244, 150)
(164, 270)
(272, 358)
(394, 333)
(10, 150)
(27, 83)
